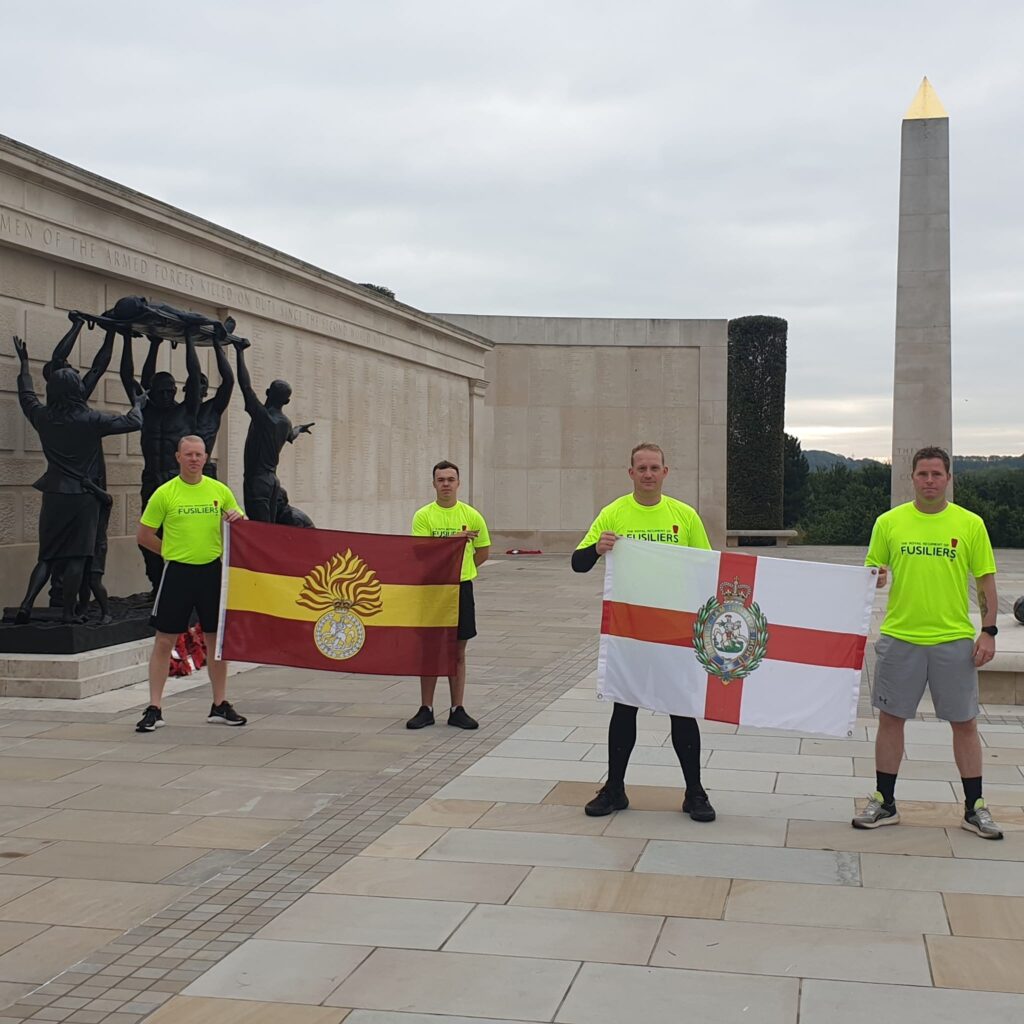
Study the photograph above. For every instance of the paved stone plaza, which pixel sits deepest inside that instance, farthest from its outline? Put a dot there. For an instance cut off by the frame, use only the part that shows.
(442, 876)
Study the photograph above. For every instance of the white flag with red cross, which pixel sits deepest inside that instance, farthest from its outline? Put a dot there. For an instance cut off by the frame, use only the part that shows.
(770, 642)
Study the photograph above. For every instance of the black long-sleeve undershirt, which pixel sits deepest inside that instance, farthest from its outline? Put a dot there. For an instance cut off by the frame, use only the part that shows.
(584, 559)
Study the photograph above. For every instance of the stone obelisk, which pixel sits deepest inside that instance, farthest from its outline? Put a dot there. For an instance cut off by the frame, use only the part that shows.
(922, 411)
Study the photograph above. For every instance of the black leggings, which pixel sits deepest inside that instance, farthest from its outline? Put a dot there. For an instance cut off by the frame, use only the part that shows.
(622, 739)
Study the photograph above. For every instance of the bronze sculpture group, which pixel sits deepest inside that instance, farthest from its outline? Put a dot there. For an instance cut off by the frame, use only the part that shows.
(76, 506)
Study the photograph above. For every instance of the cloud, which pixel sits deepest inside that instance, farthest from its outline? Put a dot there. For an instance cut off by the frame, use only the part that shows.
(657, 159)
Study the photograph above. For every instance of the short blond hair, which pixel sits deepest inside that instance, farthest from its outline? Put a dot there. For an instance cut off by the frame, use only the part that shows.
(647, 446)
(191, 437)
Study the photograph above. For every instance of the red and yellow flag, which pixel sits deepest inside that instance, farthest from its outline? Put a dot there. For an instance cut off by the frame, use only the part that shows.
(347, 602)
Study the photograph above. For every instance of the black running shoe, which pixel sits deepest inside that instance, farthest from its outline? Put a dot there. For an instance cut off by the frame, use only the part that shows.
(225, 714)
(422, 718)
(698, 807)
(151, 720)
(606, 801)
(458, 717)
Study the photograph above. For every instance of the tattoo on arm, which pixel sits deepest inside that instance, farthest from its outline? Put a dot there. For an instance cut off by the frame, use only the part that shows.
(982, 601)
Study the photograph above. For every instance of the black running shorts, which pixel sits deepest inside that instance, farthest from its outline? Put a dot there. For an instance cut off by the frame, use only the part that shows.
(467, 611)
(184, 588)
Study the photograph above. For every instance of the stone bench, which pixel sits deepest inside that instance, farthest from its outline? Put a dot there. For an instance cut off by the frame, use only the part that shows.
(782, 537)
(1001, 681)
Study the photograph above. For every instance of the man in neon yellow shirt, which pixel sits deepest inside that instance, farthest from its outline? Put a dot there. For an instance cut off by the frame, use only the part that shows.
(190, 508)
(646, 514)
(448, 517)
(927, 637)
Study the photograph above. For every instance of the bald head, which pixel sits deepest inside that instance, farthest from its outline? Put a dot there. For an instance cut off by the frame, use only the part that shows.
(192, 439)
(191, 456)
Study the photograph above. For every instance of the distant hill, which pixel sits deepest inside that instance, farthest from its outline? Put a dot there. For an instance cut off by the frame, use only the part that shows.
(818, 460)
(972, 463)
(821, 460)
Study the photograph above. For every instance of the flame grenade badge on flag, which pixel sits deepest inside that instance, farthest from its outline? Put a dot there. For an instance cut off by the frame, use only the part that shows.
(346, 602)
(768, 642)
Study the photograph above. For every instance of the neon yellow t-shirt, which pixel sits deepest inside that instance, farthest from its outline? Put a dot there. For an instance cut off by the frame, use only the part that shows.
(434, 521)
(669, 522)
(930, 557)
(190, 515)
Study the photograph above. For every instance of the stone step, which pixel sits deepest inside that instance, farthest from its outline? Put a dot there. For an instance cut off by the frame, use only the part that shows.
(74, 676)
(75, 666)
(75, 689)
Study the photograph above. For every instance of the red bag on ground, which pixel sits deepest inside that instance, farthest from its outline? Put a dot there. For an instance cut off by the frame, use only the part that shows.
(197, 646)
(189, 653)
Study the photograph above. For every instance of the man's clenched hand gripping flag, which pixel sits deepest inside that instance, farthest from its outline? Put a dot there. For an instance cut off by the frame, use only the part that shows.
(347, 602)
(769, 642)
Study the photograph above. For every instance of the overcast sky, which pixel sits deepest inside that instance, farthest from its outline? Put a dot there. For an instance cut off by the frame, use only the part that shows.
(665, 159)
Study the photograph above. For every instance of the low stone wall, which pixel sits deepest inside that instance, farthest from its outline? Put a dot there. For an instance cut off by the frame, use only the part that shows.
(1001, 681)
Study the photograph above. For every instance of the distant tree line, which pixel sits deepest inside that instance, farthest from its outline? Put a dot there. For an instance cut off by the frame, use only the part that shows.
(839, 505)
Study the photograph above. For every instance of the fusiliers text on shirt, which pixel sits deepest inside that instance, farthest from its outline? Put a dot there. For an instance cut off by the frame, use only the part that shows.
(659, 536)
(211, 508)
(447, 533)
(929, 550)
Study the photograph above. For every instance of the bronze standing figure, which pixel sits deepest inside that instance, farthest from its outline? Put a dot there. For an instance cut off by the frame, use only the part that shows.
(164, 423)
(269, 428)
(71, 435)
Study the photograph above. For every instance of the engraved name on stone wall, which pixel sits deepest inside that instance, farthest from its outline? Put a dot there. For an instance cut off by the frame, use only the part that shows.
(44, 237)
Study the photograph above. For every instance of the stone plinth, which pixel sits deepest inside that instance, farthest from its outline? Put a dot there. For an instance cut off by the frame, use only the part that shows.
(73, 676)
(47, 634)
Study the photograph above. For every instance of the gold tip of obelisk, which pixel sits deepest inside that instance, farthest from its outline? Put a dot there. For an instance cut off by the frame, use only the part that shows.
(926, 104)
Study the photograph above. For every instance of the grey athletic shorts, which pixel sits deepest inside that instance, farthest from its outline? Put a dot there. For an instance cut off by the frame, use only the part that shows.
(902, 670)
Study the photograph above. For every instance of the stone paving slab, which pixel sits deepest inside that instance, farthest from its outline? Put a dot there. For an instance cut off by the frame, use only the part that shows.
(778, 908)
(356, 809)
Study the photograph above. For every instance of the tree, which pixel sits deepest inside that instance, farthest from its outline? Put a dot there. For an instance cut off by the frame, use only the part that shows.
(757, 406)
(843, 504)
(997, 495)
(794, 482)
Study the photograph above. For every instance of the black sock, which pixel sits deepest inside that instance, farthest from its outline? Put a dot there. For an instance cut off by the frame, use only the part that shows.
(972, 792)
(621, 740)
(885, 782)
(686, 741)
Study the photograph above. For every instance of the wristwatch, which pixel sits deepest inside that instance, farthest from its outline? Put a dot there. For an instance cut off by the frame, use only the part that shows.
(991, 630)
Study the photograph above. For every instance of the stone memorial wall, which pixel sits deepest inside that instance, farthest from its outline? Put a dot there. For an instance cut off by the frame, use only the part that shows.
(391, 389)
(571, 396)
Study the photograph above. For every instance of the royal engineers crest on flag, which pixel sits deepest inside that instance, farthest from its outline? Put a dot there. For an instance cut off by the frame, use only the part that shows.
(667, 647)
(730, 639)
(347, 590)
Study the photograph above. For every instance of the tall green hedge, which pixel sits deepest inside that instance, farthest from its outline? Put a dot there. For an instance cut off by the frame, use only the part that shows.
(757, 412)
